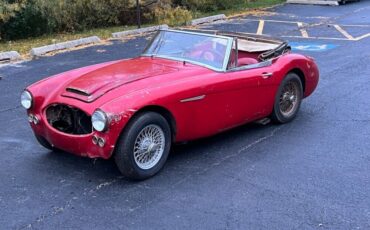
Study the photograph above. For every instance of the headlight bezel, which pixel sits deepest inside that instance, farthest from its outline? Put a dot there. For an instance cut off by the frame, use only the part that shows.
(24, 96)
(102, 119)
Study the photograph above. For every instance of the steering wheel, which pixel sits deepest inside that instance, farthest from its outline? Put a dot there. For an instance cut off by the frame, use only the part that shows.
(211, 55)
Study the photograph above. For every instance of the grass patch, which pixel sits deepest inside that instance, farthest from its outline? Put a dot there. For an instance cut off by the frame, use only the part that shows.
(24, 46)
(240, 9)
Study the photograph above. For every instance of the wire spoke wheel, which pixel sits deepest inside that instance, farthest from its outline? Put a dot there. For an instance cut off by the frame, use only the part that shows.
(289, 98)
(149, 146)
(144, 146)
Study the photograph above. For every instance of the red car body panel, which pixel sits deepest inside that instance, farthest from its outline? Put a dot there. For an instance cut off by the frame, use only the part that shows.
(202, 102)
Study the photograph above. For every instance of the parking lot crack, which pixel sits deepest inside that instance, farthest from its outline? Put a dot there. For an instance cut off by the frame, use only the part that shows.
(241, 150)
(245, 148)
(10, 109)
(56, 210)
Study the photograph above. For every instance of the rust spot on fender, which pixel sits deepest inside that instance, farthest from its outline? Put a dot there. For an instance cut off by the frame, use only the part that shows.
(116, 118)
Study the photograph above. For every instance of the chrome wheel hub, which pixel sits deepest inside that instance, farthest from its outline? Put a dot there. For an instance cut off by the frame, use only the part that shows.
(149, 146)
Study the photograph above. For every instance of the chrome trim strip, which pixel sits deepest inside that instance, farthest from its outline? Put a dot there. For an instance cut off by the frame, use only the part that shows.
(197, 98)
(252, 66)
(227, 54)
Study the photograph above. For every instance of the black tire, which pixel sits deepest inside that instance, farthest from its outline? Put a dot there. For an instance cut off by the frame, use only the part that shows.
(278, 116)
(44, 142)
(124, 153)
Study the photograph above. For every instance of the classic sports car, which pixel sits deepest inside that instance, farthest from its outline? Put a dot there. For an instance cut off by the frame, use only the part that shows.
(185, 85)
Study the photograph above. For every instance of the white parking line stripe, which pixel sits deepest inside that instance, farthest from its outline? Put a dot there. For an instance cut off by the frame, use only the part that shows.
(343, 32)
(266, 20)
(303, 30)
(349, 25)
(294, 22)
(261, 24)
(323, 38)
(362, 37)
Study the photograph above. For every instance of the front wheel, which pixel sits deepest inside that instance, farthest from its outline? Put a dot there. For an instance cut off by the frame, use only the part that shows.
(42, 141)
(288, 99)
(143, 148)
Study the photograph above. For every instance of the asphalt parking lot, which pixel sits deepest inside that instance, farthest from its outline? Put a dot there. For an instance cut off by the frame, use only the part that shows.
(313, 173)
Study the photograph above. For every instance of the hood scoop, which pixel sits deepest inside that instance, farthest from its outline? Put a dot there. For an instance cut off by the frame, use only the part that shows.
(78, 91)
(92, 85)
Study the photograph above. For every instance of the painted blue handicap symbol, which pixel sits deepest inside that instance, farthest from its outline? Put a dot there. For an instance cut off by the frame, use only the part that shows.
(303, 46)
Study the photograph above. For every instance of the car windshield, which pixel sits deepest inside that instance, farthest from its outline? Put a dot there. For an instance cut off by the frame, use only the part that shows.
(202, 49)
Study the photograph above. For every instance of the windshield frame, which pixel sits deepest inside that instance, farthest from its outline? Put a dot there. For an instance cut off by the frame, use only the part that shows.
(225, 61)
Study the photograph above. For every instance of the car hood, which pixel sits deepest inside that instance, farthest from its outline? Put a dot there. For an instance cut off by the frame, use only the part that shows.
(92, 85)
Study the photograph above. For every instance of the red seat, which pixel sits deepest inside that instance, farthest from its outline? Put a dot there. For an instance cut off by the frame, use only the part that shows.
(246, 61)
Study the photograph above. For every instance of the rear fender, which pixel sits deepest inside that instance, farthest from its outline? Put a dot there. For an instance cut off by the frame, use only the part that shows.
(293, 62)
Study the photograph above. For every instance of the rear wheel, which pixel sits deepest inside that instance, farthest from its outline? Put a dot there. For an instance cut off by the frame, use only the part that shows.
(143, 148)
(288, 99)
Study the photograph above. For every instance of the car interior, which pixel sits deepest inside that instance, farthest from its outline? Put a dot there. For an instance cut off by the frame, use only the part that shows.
(252, 49)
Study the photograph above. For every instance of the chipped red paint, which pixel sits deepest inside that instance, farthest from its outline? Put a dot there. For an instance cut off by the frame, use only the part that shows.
(218, 100)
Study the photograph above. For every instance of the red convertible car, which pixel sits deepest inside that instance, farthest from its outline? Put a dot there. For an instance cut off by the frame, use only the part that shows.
(185, 85)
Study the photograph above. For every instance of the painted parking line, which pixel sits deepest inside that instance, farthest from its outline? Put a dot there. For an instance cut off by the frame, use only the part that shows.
(304, 29)
(266, 20)
(362, 37)
(352, 25)
(318, 38)
(261, 24)
(342, 31)
(332, 38)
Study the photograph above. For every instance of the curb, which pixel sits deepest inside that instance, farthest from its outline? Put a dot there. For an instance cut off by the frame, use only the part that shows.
(139, 31)
(10, 56)
(39, 51)
(208, 19)
(315, 2)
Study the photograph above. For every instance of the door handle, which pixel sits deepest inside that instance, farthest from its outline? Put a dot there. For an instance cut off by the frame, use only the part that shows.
(267, 75)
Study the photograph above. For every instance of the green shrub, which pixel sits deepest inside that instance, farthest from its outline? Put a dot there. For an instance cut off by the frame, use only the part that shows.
(210, 5)
(172, 16)
(7, 11)
(71, 15)
(25, 21)
(37, 17)
(26, 18)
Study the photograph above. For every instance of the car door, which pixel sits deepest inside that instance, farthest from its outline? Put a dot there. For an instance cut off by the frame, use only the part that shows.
(240, 96)
(222, 101)
(264, 94)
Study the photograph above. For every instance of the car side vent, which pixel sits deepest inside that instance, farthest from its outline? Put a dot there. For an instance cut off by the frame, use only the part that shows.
(77, 91)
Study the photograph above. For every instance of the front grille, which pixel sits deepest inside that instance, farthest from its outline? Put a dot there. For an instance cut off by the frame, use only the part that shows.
(68, 119)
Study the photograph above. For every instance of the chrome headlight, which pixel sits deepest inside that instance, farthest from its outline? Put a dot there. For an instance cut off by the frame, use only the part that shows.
(99, 121)
(26, 99)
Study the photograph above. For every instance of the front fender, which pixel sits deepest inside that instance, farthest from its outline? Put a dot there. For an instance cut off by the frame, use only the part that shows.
(123, 108)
